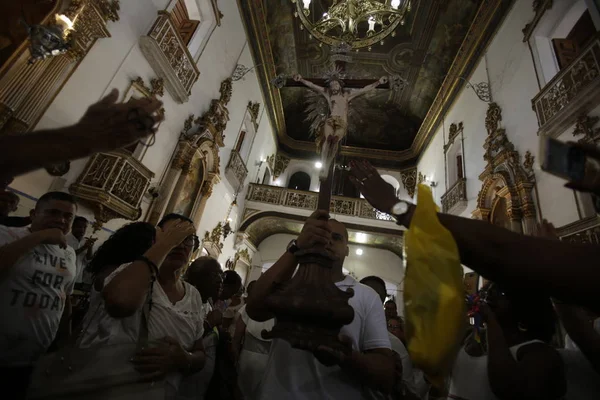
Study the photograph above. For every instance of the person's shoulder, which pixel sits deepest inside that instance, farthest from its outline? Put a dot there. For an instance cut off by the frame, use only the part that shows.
(195, 295)
(9, 233)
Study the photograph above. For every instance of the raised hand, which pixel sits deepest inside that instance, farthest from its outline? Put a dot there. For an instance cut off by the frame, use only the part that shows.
(108, 125)
(378, 192)
(174, 232)
(297, 77)
(315, 231)
(54, 236)
(383, 80)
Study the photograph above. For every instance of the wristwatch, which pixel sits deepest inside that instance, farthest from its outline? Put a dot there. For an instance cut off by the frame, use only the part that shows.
(292, 247)
(399, 209)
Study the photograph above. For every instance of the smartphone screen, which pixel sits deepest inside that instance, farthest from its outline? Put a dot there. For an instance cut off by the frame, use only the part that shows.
(563, 160)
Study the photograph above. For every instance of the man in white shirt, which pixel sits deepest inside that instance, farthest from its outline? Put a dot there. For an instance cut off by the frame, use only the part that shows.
(83, 250)
(412, 384)
(37, 272)
(297, 374)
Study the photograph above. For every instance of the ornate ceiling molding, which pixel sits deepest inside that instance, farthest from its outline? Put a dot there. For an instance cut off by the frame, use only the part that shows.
(539, 8)
(488, 16)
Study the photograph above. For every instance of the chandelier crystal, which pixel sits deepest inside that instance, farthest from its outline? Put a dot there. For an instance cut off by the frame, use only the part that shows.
(359, 23)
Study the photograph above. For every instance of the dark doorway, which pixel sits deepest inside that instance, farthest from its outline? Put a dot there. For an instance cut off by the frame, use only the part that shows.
(299, 181)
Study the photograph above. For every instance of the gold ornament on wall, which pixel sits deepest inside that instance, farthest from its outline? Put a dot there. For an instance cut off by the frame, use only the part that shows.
(585, 127)
(278, 164)
(409, 180)
(216, 118)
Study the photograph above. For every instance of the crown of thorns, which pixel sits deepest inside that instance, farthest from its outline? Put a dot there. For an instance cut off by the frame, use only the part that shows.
(334, 75)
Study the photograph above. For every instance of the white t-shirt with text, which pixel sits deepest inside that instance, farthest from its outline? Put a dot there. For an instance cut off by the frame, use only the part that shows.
(32, 299)
(296, 374)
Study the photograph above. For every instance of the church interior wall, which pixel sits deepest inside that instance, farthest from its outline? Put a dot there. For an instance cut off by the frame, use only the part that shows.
(115, 62)
(513, 82)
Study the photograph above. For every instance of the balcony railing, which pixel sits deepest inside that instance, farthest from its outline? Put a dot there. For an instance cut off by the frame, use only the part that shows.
(236, 171)
(570, 93)
(169, 57)
(455, 201)
(584, 231)
(308, 200)
(113, 183)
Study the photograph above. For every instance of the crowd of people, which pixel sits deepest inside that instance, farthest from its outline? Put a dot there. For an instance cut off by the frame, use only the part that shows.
(162, 323)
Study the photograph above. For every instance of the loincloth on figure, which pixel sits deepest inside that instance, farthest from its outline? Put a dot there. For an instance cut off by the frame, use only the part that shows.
(336, 123)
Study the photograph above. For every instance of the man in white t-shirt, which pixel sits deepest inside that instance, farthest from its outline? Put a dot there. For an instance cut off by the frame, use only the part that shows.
(37, 271)
(297, 374)
(83, 249)
(412, 384)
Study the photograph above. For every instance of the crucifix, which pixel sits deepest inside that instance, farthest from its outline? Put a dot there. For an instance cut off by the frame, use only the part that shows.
(309, 309)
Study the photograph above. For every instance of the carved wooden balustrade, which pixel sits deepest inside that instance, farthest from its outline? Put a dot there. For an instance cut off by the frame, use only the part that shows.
(586, 230)
(572, 92)
(236, 171)
(455, 201)
(169, 57)
(113, 184)
(308, 200)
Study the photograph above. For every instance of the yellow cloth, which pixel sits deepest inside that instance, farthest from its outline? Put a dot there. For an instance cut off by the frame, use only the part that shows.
(433, 292)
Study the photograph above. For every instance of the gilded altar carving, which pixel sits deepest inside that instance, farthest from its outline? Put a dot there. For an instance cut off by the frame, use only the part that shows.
(420, 178)
(214, 237)
(113, 184)
(216, 118)
(505, 176)
(409, 180)
(26, 90)
(585, 127)
(278, 163)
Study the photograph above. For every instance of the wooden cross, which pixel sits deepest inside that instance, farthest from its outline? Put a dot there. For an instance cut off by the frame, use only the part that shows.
(348, 83)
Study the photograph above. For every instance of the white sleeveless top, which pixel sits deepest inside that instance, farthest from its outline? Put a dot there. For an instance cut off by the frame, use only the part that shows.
(469, 379)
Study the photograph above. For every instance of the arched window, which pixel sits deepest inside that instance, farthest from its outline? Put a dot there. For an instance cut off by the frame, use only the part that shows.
(299, 181)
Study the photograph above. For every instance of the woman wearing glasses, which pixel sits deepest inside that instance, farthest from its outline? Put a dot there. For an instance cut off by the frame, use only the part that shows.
(148, 285)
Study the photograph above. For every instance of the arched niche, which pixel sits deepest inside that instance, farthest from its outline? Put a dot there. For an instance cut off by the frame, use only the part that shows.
(200, 170)
(300, 180)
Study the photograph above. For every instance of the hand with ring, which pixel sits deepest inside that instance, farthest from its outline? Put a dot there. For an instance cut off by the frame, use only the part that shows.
(108, 125)
(378, 192)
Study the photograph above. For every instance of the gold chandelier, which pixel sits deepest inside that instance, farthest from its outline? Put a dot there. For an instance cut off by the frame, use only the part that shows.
(357, 23)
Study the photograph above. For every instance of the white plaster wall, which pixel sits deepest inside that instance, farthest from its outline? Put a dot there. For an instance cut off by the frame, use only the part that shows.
(115, 61)
(513, 84)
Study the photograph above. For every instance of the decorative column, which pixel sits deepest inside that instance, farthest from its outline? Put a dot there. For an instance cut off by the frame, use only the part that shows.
(205, 192)
(179, 170)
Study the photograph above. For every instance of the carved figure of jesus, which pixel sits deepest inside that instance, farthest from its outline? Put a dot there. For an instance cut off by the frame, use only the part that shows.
(335, 126)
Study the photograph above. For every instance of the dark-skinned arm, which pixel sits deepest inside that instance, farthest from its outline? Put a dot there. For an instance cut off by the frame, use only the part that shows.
(279, 272)
(126, 292)
(581, 330)
(374, 368)
(500, 255)
(315, 232)
(106, 125)
(537, 375)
